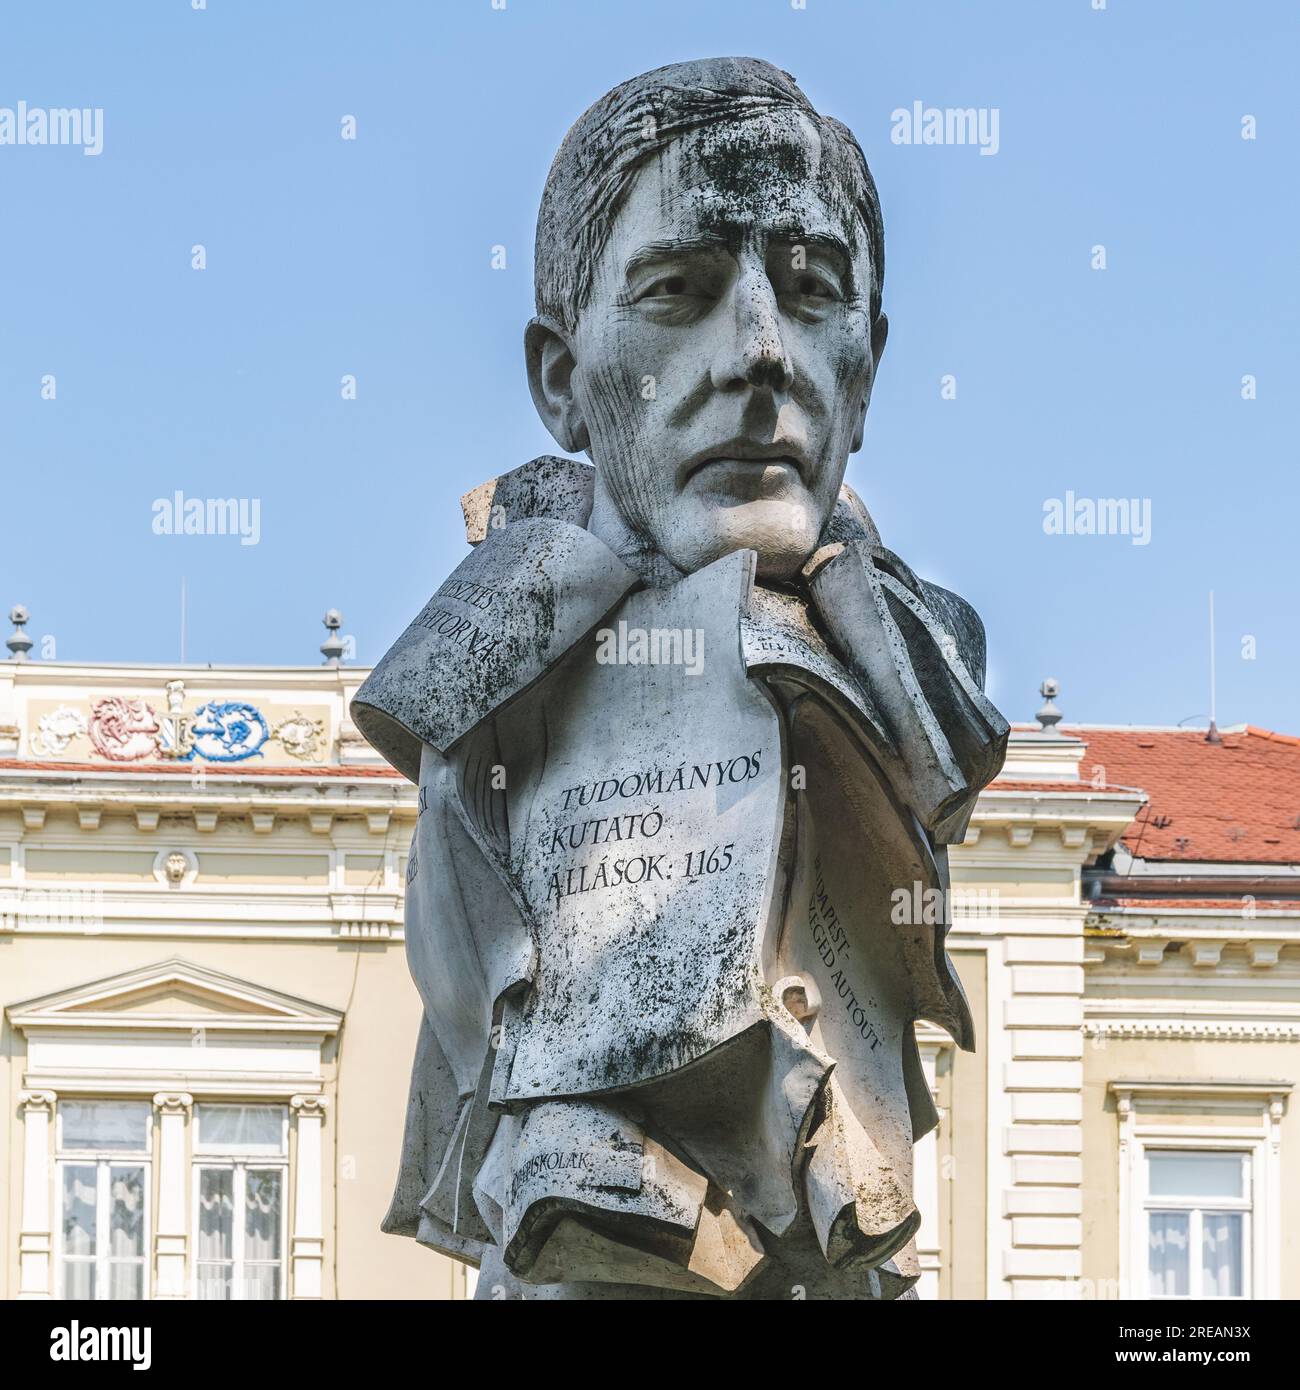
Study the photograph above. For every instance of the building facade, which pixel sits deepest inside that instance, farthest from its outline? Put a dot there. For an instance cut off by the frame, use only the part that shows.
(1131, 946)
(208, 1021)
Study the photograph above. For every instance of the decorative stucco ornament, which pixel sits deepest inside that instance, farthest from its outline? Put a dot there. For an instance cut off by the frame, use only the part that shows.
(228, 731)
(124, 730)
(175, 741)
(301, 737)
(685, 732)
(56, 730)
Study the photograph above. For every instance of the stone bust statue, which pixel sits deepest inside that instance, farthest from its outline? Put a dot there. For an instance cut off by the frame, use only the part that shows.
(690, 744)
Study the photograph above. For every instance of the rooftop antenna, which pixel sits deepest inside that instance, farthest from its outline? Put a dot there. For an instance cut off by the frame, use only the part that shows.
(1212, 733)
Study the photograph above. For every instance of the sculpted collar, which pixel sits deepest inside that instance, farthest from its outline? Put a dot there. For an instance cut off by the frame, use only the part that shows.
(537, 583)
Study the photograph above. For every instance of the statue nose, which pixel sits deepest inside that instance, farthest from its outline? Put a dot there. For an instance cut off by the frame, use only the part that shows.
(769, 371)
(754, 355)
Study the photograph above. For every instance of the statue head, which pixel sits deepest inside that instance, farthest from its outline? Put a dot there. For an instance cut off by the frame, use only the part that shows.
(709, 263)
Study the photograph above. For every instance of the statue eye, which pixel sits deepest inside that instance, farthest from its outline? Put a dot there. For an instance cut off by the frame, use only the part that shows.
(668, 287)
(810, 287)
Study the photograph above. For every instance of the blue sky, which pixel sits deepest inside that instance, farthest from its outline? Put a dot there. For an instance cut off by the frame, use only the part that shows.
(1119, 128)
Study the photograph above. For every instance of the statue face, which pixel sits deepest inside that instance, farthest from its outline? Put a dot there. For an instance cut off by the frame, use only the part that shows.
(723, 363)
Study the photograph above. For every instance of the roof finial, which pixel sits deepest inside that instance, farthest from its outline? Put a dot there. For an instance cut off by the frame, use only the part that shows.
(18, 643)
(333, 647)
(1049, 716)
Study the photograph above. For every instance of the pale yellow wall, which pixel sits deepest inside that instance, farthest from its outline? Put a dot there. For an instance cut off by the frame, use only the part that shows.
(11, 1129)
(217, 866)
(102, 865)
(1101, 1156)
(366, 1078)
(963, 1144)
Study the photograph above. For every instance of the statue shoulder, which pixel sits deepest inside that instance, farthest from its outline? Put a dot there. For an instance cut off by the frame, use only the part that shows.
(965, 624)
(508, 612)
(851, 521)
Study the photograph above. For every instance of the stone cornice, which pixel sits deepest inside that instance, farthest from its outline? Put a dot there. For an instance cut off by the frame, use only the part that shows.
(1218, 1030)
(1114, 922)
(175, 792)
(121, 674)
(1101, 806)
(1077, 825)
(1201, 1087)
(237, 1086)
(1237, 1016)
(1203, 953)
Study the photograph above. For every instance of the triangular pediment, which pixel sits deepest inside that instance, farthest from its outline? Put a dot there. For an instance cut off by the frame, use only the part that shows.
(170, 993)
(169, 1000)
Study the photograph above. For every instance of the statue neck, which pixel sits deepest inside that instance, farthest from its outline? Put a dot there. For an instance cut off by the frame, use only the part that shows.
(637, 551)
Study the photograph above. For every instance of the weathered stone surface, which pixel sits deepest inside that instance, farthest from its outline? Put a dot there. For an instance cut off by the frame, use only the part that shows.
(559, 488)
(645, 842)
(690, 744)
(511, 609)
(950, 737)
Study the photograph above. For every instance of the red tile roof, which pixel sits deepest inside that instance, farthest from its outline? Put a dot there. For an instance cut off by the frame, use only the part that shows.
(1232, 802)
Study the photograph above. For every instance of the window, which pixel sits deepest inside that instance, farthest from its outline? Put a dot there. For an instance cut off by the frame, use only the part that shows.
(1198, 1207)
(240, 1185)
(1200, 1187)
(103, 1194)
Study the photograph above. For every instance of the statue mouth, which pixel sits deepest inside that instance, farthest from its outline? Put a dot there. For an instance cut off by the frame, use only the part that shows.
(745, 456)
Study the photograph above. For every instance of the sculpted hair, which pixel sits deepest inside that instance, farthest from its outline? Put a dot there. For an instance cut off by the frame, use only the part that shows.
(600, 156)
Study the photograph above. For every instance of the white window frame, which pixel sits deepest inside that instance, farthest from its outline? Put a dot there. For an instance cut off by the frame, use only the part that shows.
(253, 1045)
(1235, 1116)
(234, 1158)
(103, 1161)
(1195, 1208)
(203, 1149)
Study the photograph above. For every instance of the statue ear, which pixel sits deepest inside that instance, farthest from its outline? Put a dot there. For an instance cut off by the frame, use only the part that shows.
(550, 360)
(879, 333)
